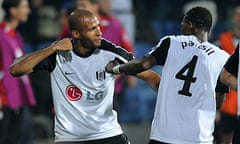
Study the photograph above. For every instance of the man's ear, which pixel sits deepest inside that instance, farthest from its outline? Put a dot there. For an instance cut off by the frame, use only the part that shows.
(191, 25)
(76, 34)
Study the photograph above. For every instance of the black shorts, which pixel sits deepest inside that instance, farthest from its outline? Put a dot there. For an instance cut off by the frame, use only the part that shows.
(236, 134)
(227, 123)
(119, 139)
(156, 142)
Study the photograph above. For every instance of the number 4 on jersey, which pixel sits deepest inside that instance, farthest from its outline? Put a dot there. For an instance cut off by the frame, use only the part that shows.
(188, 78)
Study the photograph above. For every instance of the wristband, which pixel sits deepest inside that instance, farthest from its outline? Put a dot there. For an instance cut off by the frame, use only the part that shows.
(116, 69)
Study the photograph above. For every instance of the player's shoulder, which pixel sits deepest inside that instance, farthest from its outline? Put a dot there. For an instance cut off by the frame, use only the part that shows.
(216, 48)
(179, 38)
(221, 54)
(108, 46)
(166, 40)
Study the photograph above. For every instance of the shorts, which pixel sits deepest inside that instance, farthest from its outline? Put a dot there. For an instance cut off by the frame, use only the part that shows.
(156, 142)
(236, 134)
(119, 139)
(227, 123)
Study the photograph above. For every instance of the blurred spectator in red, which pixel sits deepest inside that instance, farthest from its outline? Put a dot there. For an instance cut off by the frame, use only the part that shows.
(111, 27)
(123, 10)
(16, 93)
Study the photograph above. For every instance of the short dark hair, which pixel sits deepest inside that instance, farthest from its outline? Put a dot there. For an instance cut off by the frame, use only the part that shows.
(200, 17)
(7, 5)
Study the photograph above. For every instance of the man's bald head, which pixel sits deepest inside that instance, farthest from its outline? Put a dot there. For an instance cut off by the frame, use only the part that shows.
(77, 18)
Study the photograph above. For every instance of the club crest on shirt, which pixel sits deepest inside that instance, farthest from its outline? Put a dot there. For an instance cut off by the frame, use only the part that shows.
(100, 75)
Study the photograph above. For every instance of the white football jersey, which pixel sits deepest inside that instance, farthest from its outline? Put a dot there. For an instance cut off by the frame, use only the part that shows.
(83, 95)
(185, 108)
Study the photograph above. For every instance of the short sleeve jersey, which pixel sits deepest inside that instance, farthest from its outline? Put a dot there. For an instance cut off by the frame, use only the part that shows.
(185, 108)
(83, 93)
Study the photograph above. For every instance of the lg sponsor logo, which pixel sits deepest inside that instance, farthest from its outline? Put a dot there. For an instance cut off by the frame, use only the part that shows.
(74, 94)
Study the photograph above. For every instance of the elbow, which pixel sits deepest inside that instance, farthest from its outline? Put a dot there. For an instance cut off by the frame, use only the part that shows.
(13, 71)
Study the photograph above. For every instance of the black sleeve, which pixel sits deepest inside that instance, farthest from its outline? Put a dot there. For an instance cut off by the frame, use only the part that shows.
(220, 87)
(47, 64)
(109, 46)
(232, 63)
(160, 51)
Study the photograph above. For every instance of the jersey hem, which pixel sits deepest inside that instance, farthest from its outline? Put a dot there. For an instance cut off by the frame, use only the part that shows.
(93, 137)
(167, 140)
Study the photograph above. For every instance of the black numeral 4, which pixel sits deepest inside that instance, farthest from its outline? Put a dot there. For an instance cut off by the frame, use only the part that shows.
(188, 78)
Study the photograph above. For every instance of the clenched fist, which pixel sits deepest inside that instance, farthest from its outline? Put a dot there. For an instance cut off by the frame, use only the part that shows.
(111, 64)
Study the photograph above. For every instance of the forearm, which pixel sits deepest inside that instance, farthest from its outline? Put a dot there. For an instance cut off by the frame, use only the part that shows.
(26, 63)
(228, 79)
(151, 77)
(135, 66)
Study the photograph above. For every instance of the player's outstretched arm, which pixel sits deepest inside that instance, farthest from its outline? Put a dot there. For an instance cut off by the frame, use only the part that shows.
(228, 79)
(138, 67)
(132, 67)
(26, 63)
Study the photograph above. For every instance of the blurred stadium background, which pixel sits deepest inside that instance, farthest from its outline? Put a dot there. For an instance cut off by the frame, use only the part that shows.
(145, 21)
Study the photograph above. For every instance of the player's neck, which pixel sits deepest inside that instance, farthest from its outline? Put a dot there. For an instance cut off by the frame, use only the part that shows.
(80, 50)
(202, 36)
